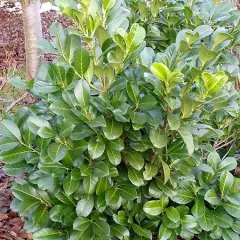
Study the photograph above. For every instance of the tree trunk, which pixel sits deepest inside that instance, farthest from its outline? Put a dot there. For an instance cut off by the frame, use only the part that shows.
(32, 32)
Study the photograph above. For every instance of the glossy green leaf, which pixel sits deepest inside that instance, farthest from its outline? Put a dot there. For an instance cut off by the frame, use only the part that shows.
(212, 197)
(57, 151)
(148, 102)
(81, 223)
(10, 129)
(189, 221)
(229, 234)
(81, 60)
(164, 233)
(84, 206)
(142, 231)
(82, 92)
(135, 159)
(113, 129)
(198, 208)
(135, 177)
(206, 55)
(187, 138)
(114, 156)
(150, 171)
(206, 222)
(101, 228)
(96, 148)
(223, 220)
(133, 91)
(41, 216)
(48, 234)
(158, 138)
(173, 214)
(232, 209)
(89, 184)
(173, 120)
(226, 181)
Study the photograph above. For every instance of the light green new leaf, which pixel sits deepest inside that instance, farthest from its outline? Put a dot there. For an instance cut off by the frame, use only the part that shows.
(108, 4)
(134, 39)
(221, 37)
(206, 55)
(161, 71)
(215, 82)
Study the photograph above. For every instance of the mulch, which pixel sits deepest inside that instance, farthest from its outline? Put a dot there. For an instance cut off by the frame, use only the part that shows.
(12, 49)
(11, 225)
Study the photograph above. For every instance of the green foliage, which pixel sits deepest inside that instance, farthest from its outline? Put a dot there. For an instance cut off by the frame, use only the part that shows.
(121, 145)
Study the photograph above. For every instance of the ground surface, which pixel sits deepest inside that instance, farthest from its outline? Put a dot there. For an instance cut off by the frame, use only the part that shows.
(12, 59)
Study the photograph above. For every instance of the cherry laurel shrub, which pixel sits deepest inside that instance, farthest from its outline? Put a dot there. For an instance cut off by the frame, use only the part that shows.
(123, 143)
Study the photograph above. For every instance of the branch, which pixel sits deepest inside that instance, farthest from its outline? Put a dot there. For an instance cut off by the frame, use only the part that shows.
(16, 102)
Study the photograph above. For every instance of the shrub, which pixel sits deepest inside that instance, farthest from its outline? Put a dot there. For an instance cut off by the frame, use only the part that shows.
(121, 145)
